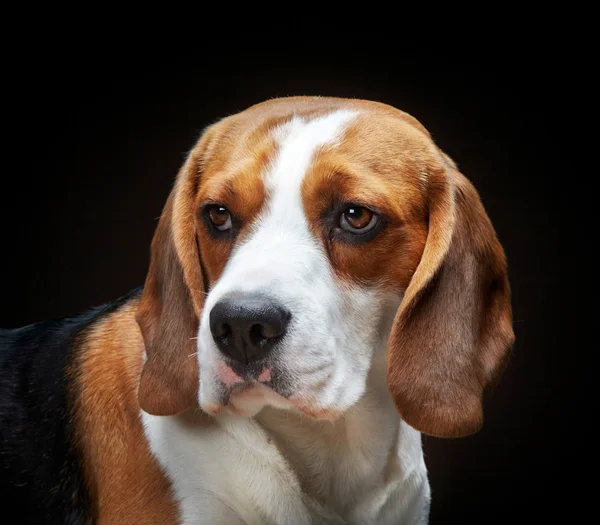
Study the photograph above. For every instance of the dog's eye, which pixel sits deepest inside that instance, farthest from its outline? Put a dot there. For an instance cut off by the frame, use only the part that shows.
(358, 219)
(220, 217)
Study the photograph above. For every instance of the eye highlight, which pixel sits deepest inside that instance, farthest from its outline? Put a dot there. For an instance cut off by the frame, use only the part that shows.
(219, 217)
(358, 219)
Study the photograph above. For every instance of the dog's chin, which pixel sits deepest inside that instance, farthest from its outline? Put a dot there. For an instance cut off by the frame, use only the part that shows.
(249, 399)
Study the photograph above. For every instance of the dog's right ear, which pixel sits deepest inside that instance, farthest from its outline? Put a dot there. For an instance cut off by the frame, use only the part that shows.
(169, 310)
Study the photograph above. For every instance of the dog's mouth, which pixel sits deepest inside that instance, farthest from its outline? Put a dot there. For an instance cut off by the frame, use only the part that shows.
(247, 399)
(246, 392)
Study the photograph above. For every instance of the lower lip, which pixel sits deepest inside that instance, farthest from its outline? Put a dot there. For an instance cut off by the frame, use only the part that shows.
(313, 413)
(231, 379)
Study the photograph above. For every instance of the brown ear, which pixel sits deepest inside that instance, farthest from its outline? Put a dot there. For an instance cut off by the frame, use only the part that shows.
(170, 305)
(453, 331)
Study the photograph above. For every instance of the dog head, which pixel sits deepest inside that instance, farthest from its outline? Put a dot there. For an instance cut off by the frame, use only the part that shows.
(302, 236)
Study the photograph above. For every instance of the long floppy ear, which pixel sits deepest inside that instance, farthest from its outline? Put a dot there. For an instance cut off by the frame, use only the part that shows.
(170, 306)
(453, 333)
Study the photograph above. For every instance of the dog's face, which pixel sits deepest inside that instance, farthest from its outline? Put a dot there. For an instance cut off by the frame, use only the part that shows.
(302, 237)
(290, 230)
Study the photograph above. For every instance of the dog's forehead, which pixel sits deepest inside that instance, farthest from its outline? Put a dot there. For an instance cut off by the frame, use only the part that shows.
(297, 142)
(373, 132)
(274, 145)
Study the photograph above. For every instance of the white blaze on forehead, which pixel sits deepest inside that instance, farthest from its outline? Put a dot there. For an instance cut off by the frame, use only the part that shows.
(299, 140)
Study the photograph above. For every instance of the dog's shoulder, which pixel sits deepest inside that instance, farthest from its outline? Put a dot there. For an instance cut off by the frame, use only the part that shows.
(40, 465)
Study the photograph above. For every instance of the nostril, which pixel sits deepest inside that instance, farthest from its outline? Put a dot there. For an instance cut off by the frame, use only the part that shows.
(272, 330)
(257, 335)
(223, 331)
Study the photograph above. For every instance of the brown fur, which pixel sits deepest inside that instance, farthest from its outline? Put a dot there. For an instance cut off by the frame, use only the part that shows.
(242, 192)
(170, 305)
(453, 331)
(125, 481)
(378, 164)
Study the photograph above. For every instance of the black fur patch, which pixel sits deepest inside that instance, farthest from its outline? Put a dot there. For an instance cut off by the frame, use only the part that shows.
(41, 477)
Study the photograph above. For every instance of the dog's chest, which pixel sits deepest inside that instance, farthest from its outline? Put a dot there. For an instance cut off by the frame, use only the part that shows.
(225, 473)
(235, 472)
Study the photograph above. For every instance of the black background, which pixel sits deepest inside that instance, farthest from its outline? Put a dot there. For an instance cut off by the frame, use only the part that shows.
(93, 141)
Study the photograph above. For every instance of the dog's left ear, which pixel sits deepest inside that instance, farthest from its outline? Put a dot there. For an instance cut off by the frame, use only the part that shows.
(453, 331)
(169, 310)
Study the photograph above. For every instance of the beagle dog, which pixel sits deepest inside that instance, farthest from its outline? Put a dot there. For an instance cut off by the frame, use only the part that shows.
(324, 286)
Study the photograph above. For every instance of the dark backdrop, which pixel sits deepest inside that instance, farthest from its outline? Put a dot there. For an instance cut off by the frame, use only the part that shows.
(92, 143)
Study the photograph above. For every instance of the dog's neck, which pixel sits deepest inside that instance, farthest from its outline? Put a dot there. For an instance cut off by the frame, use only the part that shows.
(343, 463)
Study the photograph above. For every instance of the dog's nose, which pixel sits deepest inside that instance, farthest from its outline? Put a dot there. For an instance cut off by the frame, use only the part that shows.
(246, 328)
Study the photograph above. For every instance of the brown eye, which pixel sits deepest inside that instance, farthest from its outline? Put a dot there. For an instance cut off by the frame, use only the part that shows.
(358, 219)
(220, 217)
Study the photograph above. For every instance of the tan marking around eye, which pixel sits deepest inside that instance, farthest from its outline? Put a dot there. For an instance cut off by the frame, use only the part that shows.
(374, 166)
(238, 186)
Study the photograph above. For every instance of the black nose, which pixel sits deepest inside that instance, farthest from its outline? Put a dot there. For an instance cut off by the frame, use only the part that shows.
(246, 328)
